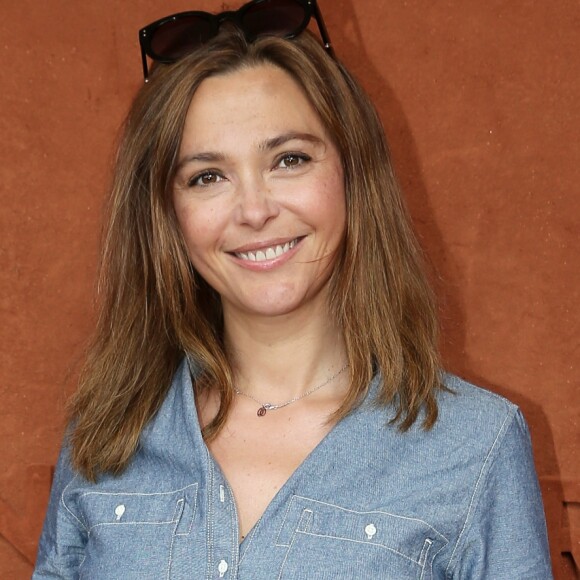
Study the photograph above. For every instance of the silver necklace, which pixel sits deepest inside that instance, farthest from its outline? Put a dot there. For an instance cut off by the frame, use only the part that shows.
(271, 407)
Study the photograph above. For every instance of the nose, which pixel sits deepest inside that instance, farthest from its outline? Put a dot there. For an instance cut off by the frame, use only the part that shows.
(255, 204)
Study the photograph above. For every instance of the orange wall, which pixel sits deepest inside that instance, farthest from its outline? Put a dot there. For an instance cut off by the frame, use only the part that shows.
(481, 102)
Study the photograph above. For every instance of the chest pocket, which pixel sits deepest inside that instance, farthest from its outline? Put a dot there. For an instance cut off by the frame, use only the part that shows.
(329, 542)
(134, 532)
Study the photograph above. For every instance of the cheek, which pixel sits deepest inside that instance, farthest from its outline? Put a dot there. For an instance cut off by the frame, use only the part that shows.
(198, 226)
(333, 203)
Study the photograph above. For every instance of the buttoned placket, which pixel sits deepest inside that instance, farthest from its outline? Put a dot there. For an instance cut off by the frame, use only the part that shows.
(223, 545)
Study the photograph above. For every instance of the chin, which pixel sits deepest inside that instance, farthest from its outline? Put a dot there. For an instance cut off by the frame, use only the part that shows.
(274, 306)
(274, 310)
(278, 299)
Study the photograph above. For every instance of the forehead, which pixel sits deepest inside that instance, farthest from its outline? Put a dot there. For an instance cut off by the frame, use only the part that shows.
(252, 102)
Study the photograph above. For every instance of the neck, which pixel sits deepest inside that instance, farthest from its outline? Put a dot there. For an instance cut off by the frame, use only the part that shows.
(278, 358)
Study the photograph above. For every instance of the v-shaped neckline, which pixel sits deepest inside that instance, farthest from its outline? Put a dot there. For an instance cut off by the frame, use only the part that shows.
(300, 470)
(297, 473)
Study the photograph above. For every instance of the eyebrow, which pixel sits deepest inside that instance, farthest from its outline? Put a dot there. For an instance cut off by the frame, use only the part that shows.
(266, 145)
(208, 157)
(274, 142)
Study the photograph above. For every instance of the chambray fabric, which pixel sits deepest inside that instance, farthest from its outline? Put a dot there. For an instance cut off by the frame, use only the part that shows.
(459, 501)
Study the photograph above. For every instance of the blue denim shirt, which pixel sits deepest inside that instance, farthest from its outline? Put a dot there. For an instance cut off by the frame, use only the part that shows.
(459, 501)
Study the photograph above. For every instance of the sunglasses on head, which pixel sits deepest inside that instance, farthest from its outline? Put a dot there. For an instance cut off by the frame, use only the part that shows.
(170, 38)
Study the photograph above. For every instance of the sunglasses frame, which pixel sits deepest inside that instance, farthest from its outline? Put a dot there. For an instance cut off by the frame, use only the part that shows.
(147, 34)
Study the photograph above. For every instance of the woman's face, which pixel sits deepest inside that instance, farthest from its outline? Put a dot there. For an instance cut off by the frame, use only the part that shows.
(259, 193)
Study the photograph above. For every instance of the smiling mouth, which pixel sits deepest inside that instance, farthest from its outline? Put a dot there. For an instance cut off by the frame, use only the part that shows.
(270, 253)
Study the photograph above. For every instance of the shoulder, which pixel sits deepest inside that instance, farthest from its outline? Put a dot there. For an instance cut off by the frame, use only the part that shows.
(162, 460)
(478, 422)
(466, 406)
(473, 425)
(503, 493)
(464, 410)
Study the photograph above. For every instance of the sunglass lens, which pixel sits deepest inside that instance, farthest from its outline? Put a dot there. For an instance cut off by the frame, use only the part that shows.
(175, 38)
(278, 17)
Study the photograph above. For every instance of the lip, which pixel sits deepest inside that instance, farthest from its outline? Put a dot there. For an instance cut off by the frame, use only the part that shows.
(255, 246)
(266, 264)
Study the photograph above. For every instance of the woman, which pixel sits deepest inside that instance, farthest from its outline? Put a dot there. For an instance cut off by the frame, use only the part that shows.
(263, 398)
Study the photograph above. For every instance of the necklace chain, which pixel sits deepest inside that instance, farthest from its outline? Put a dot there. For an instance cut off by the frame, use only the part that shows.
(271, 407)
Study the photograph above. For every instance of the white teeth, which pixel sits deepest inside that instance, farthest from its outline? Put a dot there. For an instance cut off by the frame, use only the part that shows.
(281, 249)
(267, 253)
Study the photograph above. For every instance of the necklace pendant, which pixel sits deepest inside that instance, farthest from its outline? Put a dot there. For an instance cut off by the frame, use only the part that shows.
(261, 411)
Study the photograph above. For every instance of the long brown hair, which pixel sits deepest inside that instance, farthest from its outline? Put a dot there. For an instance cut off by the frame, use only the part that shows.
(155, 308)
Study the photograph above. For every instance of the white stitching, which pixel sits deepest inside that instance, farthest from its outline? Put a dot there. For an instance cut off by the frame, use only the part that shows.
(120, 523)
(475, 490)
(209, 524)
(377, 544)
(250, 538)
(433, 559)
(138, 494)
(286, 556)
(355, 512)
(67, 508)
(100, 525)
(176, 516)
(194, 509)
(235, 532)
(284, 522)
(375, 512)
(81, 564)
(424, 555)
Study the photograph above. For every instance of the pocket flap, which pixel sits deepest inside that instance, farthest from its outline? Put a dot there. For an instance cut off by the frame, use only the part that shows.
(111, 508)
(409, 537)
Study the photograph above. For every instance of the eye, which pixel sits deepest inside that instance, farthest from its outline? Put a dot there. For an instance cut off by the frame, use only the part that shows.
(292, 160)
(205, 179)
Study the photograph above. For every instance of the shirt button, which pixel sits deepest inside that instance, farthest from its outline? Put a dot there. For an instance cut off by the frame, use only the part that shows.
(119, 511)
(370, 531)
(222, 568)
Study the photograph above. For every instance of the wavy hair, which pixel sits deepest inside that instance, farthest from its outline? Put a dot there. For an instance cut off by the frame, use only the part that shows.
(154, 307)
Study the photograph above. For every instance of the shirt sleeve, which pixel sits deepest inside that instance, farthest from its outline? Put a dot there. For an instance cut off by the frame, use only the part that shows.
(64, 536)
(504, 536)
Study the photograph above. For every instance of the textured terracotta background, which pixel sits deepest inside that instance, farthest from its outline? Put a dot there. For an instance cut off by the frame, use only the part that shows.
(481, 101)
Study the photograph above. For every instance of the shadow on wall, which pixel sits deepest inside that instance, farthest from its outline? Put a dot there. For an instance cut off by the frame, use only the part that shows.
(561, 498)
(445, 275)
